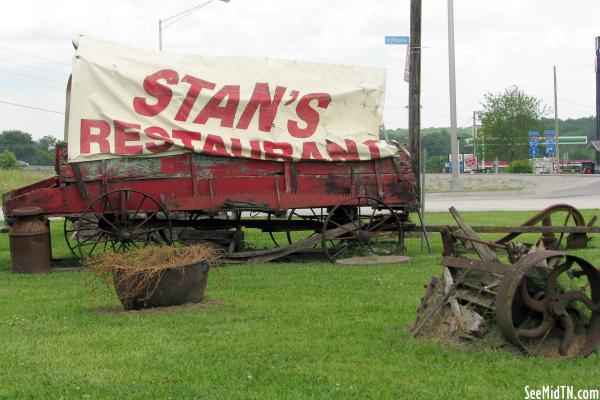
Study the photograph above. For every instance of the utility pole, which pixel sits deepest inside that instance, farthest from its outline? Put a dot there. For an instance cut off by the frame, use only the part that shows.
(556, 125)
(597, 98)
(475, 139)
(414, 91)
(454, 182)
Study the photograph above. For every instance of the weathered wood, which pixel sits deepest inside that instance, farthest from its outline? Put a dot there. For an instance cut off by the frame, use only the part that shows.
(448, 284)
(308, 242)
(484, 252)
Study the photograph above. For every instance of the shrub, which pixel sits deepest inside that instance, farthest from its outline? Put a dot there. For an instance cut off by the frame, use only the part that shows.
(520, 167)
(8, 160)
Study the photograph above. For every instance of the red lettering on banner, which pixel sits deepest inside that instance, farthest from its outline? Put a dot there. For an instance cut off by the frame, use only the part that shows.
(310, 151)
(255, 150)
(261, 98)
(373, 148)
(214, 145)
(158, 133)
(338, 153)
(100, 137)
(236, 147)
(162, 93)
(124, 134)
(226, 114)
(186, 137)
(308, 114)
(278, 150)
(196, 86)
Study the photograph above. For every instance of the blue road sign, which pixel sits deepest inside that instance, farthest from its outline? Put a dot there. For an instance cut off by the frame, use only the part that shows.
(550, 141)
(549, 150)
(534, 133)
(549, 132)
(397, 40)
(533, 143)
(534, 152)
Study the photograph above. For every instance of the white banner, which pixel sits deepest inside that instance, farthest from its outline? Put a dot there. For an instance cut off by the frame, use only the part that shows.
(133, 102)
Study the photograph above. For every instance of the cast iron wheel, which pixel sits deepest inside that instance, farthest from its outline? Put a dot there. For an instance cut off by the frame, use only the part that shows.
(362, 226)
(556, 215)
(121, 220)
(540, 300)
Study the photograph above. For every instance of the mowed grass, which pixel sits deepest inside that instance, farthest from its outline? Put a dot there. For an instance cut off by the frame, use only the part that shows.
(278, 330)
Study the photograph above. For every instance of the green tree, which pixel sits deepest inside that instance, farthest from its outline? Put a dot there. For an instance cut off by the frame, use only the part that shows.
(20, 144)
(506, 120)
(8, 160)
(435, 164)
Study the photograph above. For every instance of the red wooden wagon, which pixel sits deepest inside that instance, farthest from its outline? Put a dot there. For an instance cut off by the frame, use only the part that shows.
(119, 203)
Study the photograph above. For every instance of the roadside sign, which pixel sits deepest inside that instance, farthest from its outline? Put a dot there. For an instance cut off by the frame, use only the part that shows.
(573, 140)
(549, 132)
(397, 40)
(550, 150)
(534, 152)
(550, 141)
(534, 133)
(533, 142)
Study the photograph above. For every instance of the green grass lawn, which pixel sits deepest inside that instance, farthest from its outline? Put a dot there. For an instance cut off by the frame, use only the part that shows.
(278, 330)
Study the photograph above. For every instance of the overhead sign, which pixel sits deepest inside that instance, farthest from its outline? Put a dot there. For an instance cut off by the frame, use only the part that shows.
(397, 40)
(133, 102)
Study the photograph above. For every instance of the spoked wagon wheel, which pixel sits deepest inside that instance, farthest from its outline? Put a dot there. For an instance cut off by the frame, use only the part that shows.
(70, 227)
(557, 215)
(549, 303)
(121, 220)
(310, 215)
(362, 226)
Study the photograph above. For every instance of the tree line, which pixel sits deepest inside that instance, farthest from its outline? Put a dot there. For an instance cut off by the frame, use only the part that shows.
(24, 148)
(504, 122)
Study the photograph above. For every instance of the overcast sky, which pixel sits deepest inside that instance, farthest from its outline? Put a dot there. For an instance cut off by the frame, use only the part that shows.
(498, 44)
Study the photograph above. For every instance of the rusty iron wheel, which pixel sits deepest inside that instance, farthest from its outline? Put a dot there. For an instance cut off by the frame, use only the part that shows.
(532, 309)
(121, 220)
(556, 215)
(370, 227)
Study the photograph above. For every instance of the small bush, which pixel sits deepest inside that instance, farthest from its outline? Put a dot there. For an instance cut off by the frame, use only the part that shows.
(520, 167)
(8, 160)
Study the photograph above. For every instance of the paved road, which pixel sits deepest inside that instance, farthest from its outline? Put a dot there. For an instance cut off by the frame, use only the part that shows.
(581, 193)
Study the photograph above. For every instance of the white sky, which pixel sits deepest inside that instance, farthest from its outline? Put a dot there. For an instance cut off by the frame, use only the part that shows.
(498, 44)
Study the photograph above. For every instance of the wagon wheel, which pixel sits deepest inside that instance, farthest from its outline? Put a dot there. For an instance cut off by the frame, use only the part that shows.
(361, 231)
(556, 215)
(551, 299)
(71, 225)
(316, 215)
(121, 220)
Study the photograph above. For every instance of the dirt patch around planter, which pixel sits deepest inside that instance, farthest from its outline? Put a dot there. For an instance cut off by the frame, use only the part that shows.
(207, 303)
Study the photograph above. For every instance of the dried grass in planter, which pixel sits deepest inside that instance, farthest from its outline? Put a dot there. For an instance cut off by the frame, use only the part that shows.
(137, 273)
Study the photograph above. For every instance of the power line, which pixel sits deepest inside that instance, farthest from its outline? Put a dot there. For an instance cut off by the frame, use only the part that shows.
(31, 76)
(33, 67)
(31, 107)
(33, 56)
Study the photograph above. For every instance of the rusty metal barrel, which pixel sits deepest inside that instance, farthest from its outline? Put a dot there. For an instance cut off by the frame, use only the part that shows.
(29, 238)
